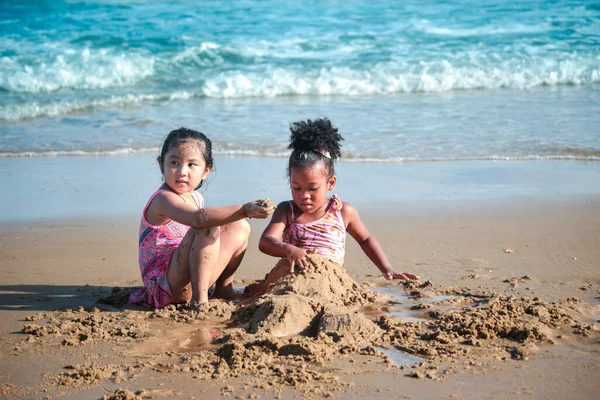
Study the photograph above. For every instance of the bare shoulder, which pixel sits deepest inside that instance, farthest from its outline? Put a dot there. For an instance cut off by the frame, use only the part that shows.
(348, 210)
(281, 213)
(354, 226)
(284, 205)
(157, 210)
(163, 198)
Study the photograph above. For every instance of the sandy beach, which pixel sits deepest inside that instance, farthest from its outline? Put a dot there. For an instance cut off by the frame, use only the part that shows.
(469, 150)
(507, 305)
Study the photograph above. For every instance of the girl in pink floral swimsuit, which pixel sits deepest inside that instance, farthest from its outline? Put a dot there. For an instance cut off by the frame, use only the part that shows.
(182, 249)
(312, 222)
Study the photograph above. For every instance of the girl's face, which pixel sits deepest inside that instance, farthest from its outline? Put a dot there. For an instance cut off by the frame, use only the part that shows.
(310, 186)
(183, 167)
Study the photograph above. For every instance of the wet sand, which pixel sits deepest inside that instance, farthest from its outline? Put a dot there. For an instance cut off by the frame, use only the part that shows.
(507, 307)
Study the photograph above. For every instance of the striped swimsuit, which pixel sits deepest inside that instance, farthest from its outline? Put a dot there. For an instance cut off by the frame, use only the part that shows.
(326, 236)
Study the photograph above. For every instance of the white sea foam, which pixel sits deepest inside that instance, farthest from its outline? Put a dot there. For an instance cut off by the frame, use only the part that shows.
(469, 72)
(78, 153)
(14, 112)
(428, 27)
(74, 69)
(274, 153)
(386, 78)
(209, 70)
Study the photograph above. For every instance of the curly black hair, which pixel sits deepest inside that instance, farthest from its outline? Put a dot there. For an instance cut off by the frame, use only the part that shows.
(314, 141)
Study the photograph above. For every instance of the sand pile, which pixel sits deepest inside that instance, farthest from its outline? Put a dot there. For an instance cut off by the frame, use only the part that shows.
(498, 326)
(322, 280)
(290, 328)
(322, 299)
(79, 326)
(124, 394)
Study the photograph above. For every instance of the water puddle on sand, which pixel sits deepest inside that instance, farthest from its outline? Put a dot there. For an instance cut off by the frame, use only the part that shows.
(408, 308)
(400, 358)
(402, 309)
(407, 316)
(443, 297)
(395, 293)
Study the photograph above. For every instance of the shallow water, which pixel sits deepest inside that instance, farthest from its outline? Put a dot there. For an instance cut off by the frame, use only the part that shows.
(400, 358)
(396, 294)
(407, 316)
(444, 297)
(402, 310)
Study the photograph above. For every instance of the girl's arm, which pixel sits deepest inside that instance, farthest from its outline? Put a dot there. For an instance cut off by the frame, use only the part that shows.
(271, 239)
(369, 244)
(168, 206)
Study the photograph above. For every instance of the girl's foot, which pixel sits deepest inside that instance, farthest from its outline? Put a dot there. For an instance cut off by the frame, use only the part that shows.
(227, 293)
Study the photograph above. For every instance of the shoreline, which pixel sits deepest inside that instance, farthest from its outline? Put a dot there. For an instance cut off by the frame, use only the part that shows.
(60, 188)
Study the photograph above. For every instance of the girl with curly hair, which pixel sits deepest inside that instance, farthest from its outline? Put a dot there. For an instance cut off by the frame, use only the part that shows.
(312, 222)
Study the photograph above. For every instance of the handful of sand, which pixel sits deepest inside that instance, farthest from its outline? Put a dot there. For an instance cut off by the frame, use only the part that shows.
(267, 204)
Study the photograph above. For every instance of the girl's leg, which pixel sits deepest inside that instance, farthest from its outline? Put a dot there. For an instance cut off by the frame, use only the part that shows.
(197, 252)
(234, 241)
(203, 263)
(206, 256)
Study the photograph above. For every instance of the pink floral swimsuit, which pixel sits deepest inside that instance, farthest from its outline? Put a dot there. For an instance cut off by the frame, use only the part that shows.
(326, 236)
(156, 247)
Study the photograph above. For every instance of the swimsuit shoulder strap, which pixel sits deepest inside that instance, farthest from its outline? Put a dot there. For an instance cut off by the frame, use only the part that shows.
(292, 208)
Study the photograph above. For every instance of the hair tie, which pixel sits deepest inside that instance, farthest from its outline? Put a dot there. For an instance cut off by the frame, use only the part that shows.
(323, 152)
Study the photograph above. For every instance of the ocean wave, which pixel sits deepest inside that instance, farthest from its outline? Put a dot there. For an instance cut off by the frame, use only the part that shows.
(474, 158)
(78, 153)
(37, 109)
(382, 79)
(578, 155)
(390, 78)
(75, 69)
(294, 66)
(427, 27)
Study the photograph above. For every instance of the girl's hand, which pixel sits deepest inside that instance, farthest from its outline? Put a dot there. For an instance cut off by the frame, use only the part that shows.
(297, 256)
(261, 208)
(405, 276)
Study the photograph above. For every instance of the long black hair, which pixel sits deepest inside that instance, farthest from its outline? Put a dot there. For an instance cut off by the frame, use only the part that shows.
(312, 142)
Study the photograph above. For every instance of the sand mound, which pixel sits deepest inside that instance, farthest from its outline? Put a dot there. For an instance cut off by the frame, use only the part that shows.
(346, 327)
(309, 303)
(323, 281)
(280, 316)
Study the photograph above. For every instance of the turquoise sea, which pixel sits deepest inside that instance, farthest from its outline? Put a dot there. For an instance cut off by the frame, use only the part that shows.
(413, 80)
